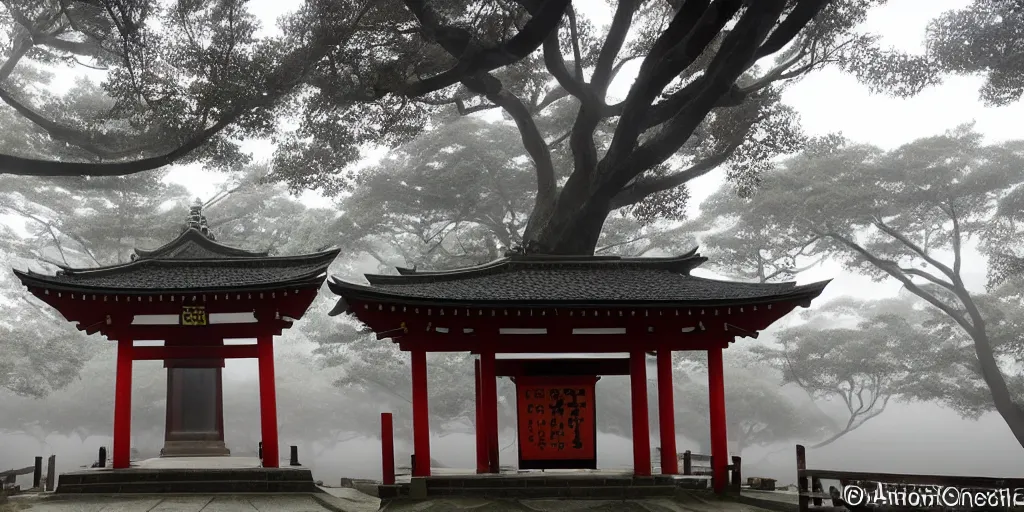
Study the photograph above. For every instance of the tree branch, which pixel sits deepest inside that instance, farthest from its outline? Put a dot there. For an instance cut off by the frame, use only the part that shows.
(882, 226)
(58, 132)
(472, 59)
(798, 18)
(893, 269)
(604, 69)
(733, 57)
(930, 277)
(694, 27)
(640, 189)
(77, 48)
(294, 70)
(555, 64)
(957, 239)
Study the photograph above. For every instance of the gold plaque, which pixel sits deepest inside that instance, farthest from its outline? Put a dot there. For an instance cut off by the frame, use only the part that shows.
(193, 315)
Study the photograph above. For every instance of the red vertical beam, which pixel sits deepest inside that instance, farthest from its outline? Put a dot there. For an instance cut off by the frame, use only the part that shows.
(220, 403)
(489, 400)
(123, 405)
(641, 428)
(716, 402)
(481, 432)
(387, 448)
(268, 401)
(667, 414)
(420, 414)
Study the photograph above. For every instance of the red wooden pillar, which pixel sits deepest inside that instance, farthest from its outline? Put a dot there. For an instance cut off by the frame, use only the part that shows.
(481, 432)
(641, 429)
(716, 402)
(123, 405)
(489, 400)
(268, 401)
(420, 414)
(667, 414)
(387, 448)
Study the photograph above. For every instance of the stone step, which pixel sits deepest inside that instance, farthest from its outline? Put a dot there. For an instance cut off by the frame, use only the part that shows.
(184, 475)
(504, 481)
(191, 486)
(576, 492)
(187, 480)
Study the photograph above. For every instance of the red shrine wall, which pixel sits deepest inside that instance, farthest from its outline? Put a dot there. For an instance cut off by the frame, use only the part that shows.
(557, 427)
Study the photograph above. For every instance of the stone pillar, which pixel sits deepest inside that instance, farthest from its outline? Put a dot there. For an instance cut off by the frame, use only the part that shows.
(195, 409)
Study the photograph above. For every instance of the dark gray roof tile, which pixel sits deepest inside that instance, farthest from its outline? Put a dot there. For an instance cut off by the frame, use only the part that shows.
(571, 281)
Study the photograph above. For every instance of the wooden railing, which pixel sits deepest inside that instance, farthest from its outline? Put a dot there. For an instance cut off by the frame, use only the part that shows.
(899, 487)
(8, 478)
(695, 464)
(698, 464)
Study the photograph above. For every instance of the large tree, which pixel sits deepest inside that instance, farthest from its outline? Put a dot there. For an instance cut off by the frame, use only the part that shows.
(911, 215)
(461, 195)
(705, 93)
(864, 354)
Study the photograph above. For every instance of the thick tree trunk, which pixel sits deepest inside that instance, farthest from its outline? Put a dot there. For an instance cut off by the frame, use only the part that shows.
(574, 225)
(1012, 413)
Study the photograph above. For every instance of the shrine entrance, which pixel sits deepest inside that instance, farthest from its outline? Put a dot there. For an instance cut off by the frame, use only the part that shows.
(538, 304)
(556, 410)
(192, 294)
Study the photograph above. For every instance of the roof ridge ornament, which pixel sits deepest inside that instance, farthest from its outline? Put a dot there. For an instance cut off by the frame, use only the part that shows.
(197, 220)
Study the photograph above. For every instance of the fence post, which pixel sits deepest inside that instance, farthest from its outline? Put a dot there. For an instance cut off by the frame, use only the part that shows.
(736, 474)
(817, 489)
(387, 448)
(37, 473)
(260, 453)
(687, 463)
(101, 460)
(51, 472)
(294, 456)
(801, 479)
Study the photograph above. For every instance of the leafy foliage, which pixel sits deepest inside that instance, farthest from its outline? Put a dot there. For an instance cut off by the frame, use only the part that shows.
(986, 37)
(460, 195)
(866, 353)
(186, 80)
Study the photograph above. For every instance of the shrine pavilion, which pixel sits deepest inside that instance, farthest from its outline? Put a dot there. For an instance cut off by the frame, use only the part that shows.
(193, 294)
(539, 304)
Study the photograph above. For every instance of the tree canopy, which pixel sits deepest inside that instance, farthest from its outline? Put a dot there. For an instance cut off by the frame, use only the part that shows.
(986, 37)
(186, 80)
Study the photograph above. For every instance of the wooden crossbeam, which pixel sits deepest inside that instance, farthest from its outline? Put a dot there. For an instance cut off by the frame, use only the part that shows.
(193, 352)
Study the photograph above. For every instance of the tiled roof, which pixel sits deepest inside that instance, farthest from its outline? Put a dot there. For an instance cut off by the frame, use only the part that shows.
(192, 262)
(577, 281)
(193, 245)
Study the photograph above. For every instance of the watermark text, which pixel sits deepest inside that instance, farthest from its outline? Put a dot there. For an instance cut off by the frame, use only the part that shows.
(931, 496)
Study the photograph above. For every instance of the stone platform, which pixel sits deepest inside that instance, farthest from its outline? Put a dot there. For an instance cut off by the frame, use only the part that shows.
(537, 485)
(189, 475)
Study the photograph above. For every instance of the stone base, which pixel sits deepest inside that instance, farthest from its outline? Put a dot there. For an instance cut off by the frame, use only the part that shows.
(184, 475)
(194, 449)
(544, 486)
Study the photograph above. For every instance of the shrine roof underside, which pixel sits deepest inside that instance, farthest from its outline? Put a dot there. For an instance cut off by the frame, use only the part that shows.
(570, 281)
(190, 263)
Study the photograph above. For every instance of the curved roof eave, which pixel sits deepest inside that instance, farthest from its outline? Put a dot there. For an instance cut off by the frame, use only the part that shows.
(326, 256)
(42, 281)
(346, 289)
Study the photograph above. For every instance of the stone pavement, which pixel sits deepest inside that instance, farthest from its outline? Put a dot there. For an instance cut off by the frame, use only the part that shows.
(336, 500)
(682, 503)
(349, 500)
